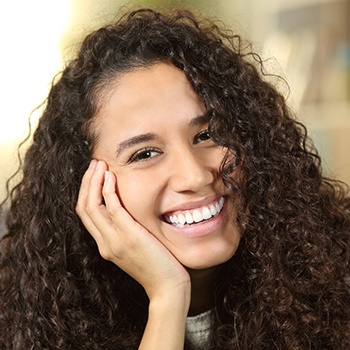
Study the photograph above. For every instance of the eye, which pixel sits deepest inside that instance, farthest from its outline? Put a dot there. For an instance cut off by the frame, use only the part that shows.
(143, 155)
(202, 136)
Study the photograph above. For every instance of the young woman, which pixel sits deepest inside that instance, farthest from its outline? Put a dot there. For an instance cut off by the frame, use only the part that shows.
(170, 201)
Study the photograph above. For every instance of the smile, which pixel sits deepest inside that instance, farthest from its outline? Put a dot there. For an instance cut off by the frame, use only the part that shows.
(190, 217)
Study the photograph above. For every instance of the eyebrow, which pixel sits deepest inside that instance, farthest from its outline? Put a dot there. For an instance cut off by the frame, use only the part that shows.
(199, 120)
(135, 140)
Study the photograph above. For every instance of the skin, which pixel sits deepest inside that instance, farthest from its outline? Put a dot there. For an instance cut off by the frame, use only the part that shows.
(154, 157)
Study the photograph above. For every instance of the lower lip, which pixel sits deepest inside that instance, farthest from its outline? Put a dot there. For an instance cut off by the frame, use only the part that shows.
(203, 228)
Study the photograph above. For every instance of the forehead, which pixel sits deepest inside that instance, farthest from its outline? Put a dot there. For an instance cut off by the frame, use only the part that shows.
(160, 92)
(159, 79)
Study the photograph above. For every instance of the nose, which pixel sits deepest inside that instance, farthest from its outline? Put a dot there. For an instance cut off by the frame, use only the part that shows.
(191, 172)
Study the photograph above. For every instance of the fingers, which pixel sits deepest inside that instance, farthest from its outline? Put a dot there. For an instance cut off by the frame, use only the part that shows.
(108, 192)
(90, 201)
(95, 183)
(102, 213)
(120, 217)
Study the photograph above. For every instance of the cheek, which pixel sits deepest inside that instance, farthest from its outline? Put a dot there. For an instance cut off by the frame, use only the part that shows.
(137, 196)
(214, 157)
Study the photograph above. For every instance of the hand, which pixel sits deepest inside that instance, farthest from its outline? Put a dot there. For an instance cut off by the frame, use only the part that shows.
(124, 241)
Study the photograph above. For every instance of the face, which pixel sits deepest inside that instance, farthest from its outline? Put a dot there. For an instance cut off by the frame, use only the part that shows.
(152, 132)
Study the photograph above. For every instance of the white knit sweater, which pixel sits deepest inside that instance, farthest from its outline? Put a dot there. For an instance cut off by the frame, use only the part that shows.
(198, 330)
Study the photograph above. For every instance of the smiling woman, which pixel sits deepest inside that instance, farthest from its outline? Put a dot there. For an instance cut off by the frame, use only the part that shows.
(170, 201)
(154, 120)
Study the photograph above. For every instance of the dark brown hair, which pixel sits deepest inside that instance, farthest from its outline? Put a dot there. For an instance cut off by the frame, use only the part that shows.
(286, 286)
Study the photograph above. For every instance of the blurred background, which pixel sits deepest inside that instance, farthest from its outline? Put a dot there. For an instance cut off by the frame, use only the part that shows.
(305, 41)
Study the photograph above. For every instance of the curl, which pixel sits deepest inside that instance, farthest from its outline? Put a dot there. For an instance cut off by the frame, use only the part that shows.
(286, 286)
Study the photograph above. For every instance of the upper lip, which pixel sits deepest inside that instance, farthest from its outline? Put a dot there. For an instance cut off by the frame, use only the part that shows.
(194, 204)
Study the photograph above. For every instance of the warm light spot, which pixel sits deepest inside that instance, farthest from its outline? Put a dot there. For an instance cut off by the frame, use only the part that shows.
(30, 33)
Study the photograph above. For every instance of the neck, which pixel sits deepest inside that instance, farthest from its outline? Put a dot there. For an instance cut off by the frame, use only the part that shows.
(202, 289)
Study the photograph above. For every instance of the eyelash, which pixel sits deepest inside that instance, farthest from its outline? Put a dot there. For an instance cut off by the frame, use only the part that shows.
(141, 155)
(203, 132)
(144, 154)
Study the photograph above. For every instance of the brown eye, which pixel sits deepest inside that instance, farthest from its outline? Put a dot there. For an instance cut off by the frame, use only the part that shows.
(144, 154)
(202, 136)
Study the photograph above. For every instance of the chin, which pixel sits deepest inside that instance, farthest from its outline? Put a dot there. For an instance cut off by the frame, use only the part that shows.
(204, 262)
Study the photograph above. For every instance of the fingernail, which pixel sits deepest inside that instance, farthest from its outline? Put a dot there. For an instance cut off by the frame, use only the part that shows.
(106, 175)
(92, 164)
(99, 164)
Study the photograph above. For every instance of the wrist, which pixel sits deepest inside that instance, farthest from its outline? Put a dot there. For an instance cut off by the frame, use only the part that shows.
(174, 300)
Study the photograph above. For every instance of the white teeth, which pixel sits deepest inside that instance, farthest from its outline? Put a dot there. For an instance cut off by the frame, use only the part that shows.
(213, 211)
(206, 213)
(189, 218)
(196, 215)
(182, 219)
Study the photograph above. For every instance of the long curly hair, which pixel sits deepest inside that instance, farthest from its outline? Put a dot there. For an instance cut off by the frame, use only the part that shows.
(285, 288)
